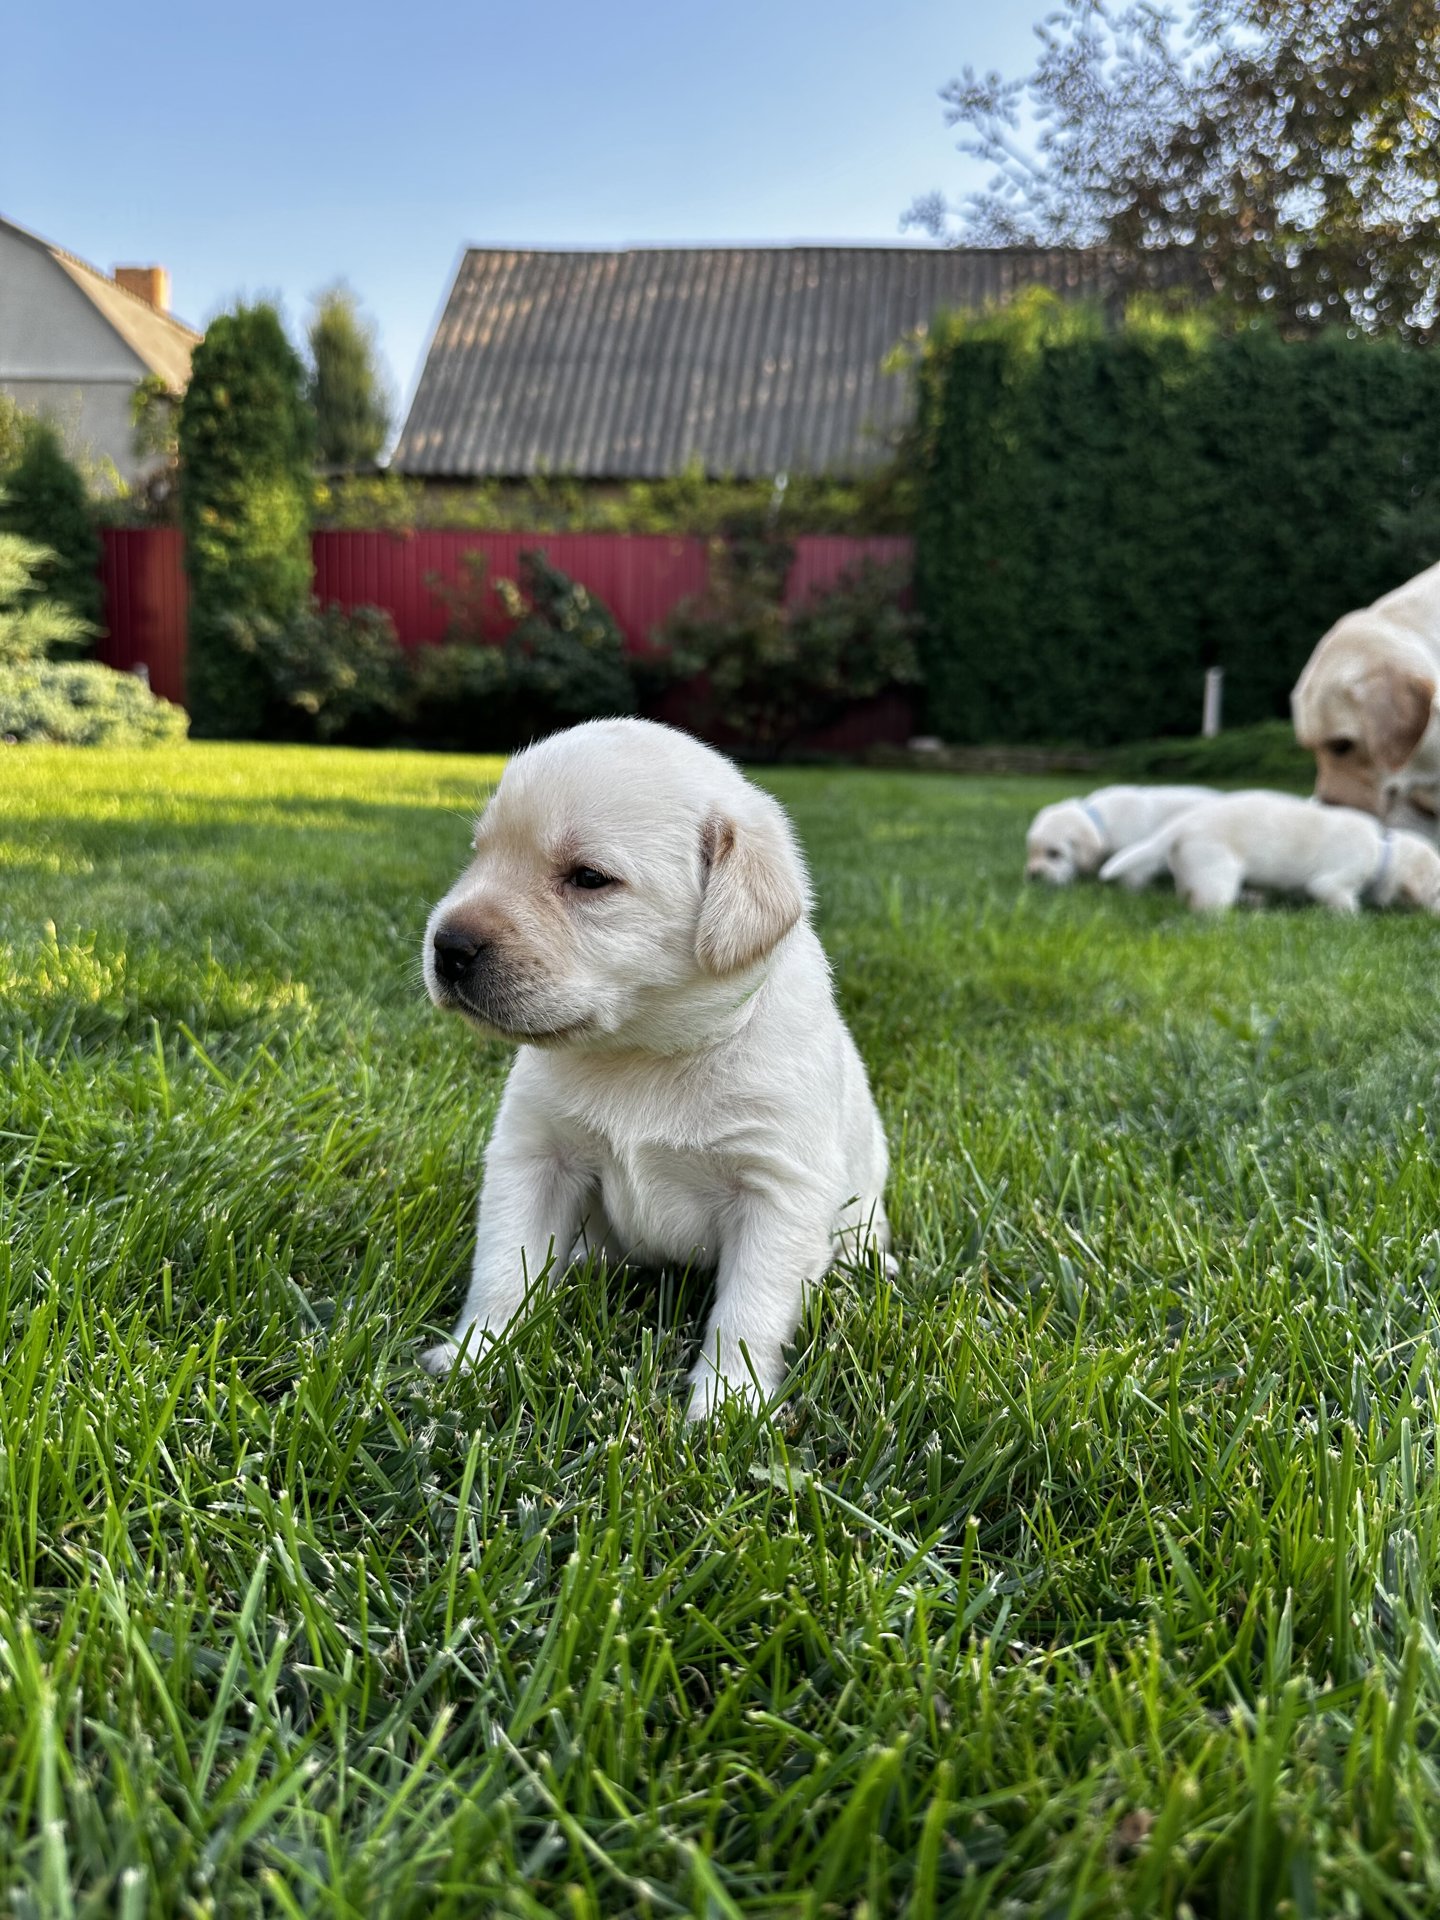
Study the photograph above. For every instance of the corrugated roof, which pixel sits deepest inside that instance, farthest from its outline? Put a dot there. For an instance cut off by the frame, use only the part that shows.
(751, 360)
(163, 343)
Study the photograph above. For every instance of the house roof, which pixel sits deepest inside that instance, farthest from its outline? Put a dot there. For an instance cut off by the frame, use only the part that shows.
(750, 360)
(163, 343)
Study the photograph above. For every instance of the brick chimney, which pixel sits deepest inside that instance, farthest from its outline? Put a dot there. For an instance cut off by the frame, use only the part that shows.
(151, 283)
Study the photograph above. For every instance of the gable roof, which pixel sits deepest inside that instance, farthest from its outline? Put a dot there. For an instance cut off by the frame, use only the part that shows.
(751, 360)
(160, 341)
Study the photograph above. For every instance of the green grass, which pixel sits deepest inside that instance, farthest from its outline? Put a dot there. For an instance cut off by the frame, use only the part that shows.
(1090, 1569)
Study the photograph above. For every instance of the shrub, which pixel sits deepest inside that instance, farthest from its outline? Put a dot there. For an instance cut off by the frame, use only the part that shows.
(328, 672)
(1106, 510)
(155, 436)
(1265, 755)
(769, 674)
(688, 502)
(45, 501)
(565, 657)
(245, 445)
(79, 703)
(31, 627)
(457, 696)
(562, 660)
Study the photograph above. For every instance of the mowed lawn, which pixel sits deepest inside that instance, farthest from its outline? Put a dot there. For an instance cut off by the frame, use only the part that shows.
(1089, 1570)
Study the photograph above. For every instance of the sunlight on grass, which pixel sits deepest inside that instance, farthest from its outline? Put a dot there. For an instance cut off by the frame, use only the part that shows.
(1089, 1569)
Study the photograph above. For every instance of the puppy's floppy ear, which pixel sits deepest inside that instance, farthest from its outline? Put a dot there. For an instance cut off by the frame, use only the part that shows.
(1397, 706)
(755, 887)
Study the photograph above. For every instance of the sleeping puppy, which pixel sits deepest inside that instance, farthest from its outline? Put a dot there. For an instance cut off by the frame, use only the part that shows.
(1282, 844)
(635, 919)
(1076, 836)
(1366, 706)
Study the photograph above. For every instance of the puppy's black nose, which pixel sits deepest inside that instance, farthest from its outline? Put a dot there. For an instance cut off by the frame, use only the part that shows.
(455, 953)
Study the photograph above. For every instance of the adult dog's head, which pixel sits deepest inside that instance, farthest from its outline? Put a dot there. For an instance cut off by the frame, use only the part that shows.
(1063, 841)
(628, 886)
(1362, 706)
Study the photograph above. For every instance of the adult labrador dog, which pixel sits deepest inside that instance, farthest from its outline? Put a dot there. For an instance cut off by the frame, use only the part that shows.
(635, 919)
(1365, 705)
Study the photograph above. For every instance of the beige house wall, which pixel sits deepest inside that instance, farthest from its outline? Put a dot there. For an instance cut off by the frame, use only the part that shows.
(59, 357)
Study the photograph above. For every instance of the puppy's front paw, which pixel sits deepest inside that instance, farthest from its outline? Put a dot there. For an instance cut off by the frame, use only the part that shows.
(441, 1359)
(709, 1390)
(707, 1397)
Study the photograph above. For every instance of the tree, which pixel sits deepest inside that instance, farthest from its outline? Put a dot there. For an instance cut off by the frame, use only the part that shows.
(246, 439)
(31, 626)
(46, 503)
(155, 435)
(347, 393)
(1293, 145)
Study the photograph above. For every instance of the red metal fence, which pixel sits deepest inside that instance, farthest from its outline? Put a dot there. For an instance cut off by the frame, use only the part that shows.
(639, 576)
(142, 571)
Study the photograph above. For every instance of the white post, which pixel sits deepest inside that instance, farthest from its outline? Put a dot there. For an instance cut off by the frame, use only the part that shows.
(141, 672)
(1214, 687)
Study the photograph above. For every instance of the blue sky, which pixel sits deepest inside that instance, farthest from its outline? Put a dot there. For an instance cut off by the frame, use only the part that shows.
(271, 149)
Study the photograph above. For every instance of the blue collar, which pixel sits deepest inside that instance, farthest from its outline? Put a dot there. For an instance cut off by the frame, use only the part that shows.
(1092, 814)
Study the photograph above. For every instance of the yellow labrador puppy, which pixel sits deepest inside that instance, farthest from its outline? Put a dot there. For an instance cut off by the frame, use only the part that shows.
(1365, 706)
(1281, 844)
(1075, 837)
(635, 919)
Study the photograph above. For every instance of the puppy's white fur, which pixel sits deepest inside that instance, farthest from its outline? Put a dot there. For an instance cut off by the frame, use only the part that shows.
(685, 1089)
(1281, 844)
(1076, 837)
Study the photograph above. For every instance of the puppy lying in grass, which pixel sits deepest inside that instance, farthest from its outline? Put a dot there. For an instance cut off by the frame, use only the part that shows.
(635, 918)
(1280, 844)
(1075, 837)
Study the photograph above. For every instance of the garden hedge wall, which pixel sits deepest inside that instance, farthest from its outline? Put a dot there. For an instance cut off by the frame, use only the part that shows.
(1105, 509)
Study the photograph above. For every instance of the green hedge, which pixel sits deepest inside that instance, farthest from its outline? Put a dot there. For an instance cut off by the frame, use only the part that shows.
(1265, 755)
(1107, 509)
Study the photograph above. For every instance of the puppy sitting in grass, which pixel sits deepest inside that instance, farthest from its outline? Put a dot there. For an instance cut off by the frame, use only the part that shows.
(1075, 837)
(635, 919)
(1281, 844)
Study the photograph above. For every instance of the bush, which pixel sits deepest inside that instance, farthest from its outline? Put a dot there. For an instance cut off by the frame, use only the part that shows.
(328, 673)
(768, 674)
(82, 704)
(562, 660)
(565, 658)
(45, 501)
(456, 696)
(688, 502)
(1107, 510)
(245, 449)
(31, 627)
(1267, 755)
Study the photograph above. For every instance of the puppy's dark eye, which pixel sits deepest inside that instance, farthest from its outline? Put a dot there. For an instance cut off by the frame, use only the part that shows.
(1340, 747)
(589, 878)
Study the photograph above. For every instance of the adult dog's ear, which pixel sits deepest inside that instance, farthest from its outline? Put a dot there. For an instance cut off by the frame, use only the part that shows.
(1397, 706)
(755, 888)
